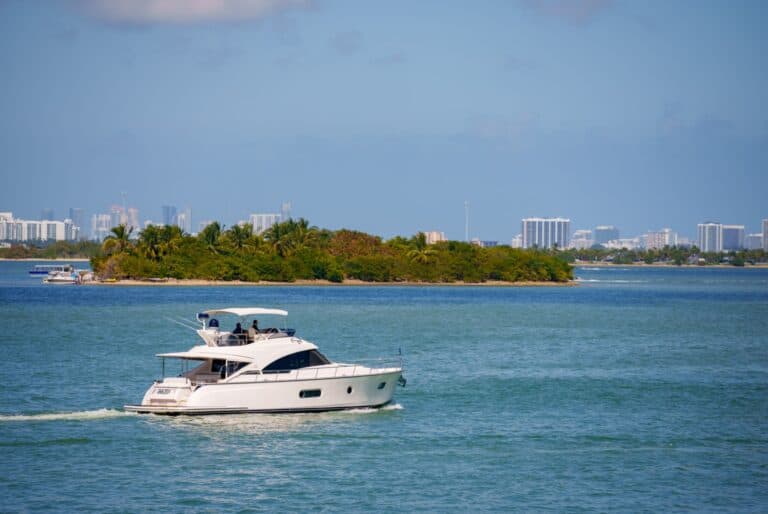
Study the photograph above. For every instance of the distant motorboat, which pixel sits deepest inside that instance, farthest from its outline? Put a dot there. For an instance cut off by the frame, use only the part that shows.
(46, 269)
(68, 275)
(267, 370)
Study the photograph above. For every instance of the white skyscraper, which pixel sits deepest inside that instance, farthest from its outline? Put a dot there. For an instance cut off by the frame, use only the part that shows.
(661, 238)
(263, 222)
(753, 241)
(546, 232)
(710, 237)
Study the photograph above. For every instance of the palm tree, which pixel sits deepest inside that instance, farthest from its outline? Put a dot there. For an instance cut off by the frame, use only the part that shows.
(210, 236)
(278, 237)
(150, 242)
(241, 236)
(118, 241)
(423, 256)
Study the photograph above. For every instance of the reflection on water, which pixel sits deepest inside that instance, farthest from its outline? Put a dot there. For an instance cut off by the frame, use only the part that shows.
(255, 424)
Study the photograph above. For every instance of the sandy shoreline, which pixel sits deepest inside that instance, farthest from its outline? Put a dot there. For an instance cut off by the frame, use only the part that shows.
(195, 282)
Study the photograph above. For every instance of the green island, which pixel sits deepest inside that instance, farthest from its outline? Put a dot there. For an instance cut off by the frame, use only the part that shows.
(294, 250)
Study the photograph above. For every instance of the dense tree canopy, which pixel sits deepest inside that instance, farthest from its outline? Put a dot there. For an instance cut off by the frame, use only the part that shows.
(295, 250)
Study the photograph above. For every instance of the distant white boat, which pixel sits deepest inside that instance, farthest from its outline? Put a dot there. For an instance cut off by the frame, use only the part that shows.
(62, 277)
(267, 370)
(69, 275)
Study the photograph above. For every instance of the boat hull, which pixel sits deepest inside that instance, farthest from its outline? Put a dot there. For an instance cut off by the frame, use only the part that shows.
(271, 396)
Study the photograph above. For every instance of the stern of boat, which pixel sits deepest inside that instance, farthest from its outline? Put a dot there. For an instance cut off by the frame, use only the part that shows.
(169, 392)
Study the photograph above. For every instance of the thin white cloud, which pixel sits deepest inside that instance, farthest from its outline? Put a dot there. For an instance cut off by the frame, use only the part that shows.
(149, 12)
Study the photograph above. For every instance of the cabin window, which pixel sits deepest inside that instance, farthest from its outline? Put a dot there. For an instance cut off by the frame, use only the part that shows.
(225, 368)
(309, 393)
(297, 361)
(349, 390)
(382, 385)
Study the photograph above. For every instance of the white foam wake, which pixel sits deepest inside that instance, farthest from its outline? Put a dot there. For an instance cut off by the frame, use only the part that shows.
(370, 410)
(66, 416)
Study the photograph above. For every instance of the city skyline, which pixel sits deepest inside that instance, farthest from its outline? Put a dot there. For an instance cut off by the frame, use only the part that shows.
(386, 118)
(535, 231)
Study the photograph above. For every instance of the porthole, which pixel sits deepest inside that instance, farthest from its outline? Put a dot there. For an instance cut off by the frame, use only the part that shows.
(309, 393)
(349, 390)
(382, 385)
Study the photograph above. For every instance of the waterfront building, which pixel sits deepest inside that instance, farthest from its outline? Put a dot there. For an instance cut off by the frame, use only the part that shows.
(733, 237)
(753, 241)
(661, 238)
(765, 235)
(710, 237)
(605, 233)
(623, 244)
(434, 236)
(263, 222)
(18, 230)
(546, 232)
(581, 240)
(517, 241)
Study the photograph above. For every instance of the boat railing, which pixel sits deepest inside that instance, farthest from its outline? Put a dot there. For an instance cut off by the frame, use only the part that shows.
(363, 367)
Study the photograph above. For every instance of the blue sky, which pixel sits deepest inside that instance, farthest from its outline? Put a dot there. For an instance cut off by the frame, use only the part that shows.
(386, 116)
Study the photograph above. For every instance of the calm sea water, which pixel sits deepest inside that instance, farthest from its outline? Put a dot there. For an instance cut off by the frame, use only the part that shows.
(638, 390)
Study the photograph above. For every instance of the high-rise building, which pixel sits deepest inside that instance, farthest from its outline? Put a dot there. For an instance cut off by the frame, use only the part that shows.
(753, 241)
(263, 222)
(285, 211)
(77, 215)
(27, 230)
(169, 215)
(605, 233)
(100, 226)
(765, 235)
(132, 220)
(710, 237)
(184, 220)
(733, 237)
(546, 232)
(661, 238)
(517, 241)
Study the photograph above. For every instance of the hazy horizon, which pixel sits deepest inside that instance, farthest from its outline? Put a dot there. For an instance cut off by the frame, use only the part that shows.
(385, 118)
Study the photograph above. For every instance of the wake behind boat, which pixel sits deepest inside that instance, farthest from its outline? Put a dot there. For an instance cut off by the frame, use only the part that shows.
(265, 370)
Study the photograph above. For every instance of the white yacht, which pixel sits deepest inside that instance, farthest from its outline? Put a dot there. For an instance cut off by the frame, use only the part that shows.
(253, 369)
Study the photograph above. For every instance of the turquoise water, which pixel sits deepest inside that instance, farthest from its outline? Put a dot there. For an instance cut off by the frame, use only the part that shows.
(638, 390)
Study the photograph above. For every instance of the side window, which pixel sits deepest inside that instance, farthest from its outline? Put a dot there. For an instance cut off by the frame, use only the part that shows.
(309, 393)
(297, 361)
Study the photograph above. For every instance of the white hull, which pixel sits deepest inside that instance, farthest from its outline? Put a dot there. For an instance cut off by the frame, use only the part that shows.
(268, 395)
